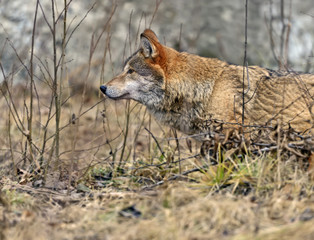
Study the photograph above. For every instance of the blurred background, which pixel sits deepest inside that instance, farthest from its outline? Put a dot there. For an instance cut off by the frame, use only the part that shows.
(212, 28)
(59, 132)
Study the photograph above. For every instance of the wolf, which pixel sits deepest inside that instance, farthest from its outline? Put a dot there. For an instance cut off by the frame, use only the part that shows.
(194, 94)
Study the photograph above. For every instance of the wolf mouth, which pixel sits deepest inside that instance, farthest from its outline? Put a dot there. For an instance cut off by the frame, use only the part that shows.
(124, 96)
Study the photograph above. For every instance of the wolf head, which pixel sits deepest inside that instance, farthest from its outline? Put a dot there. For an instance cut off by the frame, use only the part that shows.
(142, 78)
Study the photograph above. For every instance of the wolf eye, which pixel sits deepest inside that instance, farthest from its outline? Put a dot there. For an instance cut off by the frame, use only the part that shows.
(130, 71)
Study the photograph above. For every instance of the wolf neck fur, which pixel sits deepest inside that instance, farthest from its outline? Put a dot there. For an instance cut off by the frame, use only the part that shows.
(185, 102)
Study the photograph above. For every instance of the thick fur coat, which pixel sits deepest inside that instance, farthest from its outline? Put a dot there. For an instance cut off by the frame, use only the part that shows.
(195, 94)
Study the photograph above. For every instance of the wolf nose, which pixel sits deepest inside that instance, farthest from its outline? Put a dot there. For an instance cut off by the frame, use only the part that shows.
(103, 88)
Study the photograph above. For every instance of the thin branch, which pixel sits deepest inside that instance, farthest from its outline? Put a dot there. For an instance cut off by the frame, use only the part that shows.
(76, 118)
(63, 10)
(244, 62)
(283, 29)
(46, 20)
(180, 35)
(79, 24)
(31, 87)
(19, 57)
(160, 149)
(173, 178)
(158, 2)
(13, 111)
(270, 31)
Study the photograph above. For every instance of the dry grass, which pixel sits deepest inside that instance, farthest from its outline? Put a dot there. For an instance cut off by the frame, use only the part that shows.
(118, 174)
(244, 196)
(174, 211)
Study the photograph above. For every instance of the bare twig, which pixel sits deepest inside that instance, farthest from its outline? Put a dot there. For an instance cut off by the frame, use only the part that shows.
(55, 82)
(158, 2)
(63, 10)
(244, 62)
(270, 31)
(160, 149)
(11, 105)
(172, 178)
(76, 118)
(77, 26)
(286, 57)
(178, 148)
(45, 18)
(31, 87)
(180, 35)
(283, 29)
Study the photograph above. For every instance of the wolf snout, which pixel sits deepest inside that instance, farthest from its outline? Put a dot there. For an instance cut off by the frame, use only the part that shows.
(103, 89)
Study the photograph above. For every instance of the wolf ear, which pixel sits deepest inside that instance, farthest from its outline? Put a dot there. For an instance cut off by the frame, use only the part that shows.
(149, 43)
(147, 46)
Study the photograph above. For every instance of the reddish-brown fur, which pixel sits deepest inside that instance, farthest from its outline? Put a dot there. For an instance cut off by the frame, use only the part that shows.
(195, 94)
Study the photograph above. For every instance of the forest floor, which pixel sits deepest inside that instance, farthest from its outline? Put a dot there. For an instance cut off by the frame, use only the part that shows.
(120, 175)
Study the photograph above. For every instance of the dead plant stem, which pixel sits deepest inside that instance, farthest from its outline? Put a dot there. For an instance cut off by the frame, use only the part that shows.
(244, 66)
(126, 132)
(157, 143)
(31, 87)
(55, 84)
